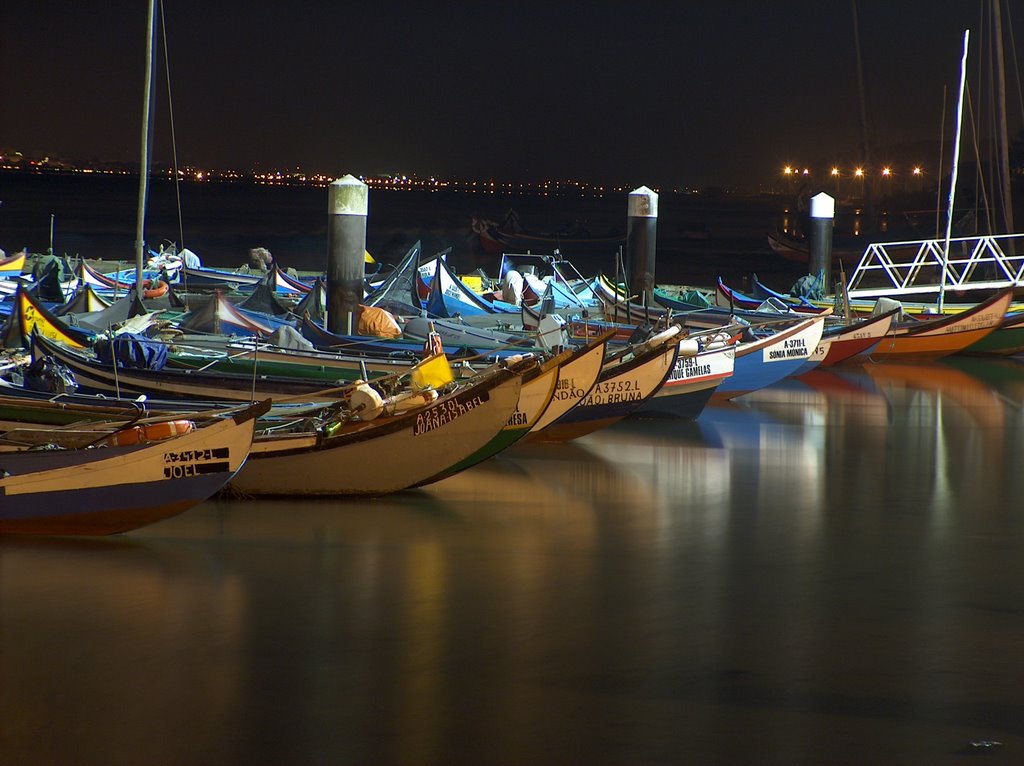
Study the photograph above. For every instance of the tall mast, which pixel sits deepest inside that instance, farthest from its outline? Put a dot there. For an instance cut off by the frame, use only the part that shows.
(1002, 142)
(140, 222)
(865, 144)
(956, 163)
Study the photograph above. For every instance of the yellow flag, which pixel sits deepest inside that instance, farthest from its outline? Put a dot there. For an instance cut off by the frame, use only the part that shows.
(432, 372)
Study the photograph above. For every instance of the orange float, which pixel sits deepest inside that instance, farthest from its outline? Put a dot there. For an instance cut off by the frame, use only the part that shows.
(150, 433)
(154, 288)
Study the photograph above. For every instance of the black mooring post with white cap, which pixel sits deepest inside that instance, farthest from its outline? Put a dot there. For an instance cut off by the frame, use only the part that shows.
(819, 263)
(641, 239)
(346, 241)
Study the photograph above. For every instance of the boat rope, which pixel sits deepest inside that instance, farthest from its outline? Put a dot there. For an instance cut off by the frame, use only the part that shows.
(170, 111)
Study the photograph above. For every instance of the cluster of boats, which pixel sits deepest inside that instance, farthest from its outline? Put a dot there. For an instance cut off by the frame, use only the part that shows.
(121, 405)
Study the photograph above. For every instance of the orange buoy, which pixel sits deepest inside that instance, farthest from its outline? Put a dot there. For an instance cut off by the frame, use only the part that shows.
(150, 433)
(154, 288)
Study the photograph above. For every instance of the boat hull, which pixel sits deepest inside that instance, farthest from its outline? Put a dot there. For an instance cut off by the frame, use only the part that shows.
(379, 457)
(691, 384)
(620, 389)
(947, 335)
(108, 490)
(766, 361)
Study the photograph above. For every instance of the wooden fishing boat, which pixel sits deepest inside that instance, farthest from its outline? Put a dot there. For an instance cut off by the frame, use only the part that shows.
(728, 297)
(388, 453)
(84, 300)
(1006, 340)
(576, 380)
(248, 357)
(944, 335)
(538, 388)
(206, 279)
(219, 316)
(12, 266)
(537, 402)
(454, 343)
(761, 362)
(630, 377)
(511, 236)
(449, 297)
(97, 377)
(855, 340)
(693, 380)
(31, 317)
(616, 308)
(132, 480)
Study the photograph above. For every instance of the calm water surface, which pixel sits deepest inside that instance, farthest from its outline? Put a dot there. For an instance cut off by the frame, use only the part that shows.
(826, 572)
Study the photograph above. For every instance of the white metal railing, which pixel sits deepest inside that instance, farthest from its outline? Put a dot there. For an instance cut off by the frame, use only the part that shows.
(915, 268)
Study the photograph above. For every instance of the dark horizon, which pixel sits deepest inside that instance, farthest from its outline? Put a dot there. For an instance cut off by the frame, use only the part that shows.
(688, 94)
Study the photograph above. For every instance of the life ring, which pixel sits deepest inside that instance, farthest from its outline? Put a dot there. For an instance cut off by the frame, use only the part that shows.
(150, 433)
(154, 288)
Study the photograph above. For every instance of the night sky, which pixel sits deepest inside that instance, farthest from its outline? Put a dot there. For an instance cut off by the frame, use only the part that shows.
(660, 93)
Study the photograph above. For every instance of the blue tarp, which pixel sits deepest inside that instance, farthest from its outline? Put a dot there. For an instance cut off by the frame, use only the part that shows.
(132, 351)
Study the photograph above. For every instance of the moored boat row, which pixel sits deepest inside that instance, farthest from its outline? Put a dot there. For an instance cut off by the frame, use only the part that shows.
(370, 415)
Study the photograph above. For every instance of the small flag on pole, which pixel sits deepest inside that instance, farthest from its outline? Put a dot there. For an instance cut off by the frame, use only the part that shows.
(433, 346)
(433, 372)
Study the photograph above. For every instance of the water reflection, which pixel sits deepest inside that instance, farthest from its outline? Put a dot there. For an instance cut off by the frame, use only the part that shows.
(822, 572)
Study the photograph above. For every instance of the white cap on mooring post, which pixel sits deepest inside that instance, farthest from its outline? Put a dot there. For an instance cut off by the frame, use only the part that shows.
(823, 206)
(643, 203)
(348, 196)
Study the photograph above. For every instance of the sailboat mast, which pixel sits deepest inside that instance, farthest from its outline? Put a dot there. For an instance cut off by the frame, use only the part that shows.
(1002, 143)
(140, 223)
(864, 139)
(956, 163)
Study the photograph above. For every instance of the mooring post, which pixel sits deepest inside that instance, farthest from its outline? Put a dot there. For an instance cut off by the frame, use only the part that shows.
(346, 241)
(641, 239)
(819, 262)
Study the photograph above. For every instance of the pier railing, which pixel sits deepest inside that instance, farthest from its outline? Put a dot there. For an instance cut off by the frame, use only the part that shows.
(916, 267)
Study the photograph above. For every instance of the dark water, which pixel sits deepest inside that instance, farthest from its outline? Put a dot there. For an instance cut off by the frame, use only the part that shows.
(698, 237)
(825, 572)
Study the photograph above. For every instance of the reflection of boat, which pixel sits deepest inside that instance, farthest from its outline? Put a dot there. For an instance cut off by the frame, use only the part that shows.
(1004, 375)
(971, 395)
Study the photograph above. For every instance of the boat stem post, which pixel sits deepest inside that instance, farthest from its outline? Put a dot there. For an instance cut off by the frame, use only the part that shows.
(346, 234)
(641, 242)
(819, 264)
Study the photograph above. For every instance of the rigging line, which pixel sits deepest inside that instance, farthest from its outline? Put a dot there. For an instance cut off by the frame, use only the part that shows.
(981, 124)
(999, 100)
(1013, 56)
(979, 183)
(938, 185)
(170, 111)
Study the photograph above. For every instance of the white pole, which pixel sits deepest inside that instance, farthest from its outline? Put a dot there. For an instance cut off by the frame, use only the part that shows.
(956, 162)
(140, 221)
